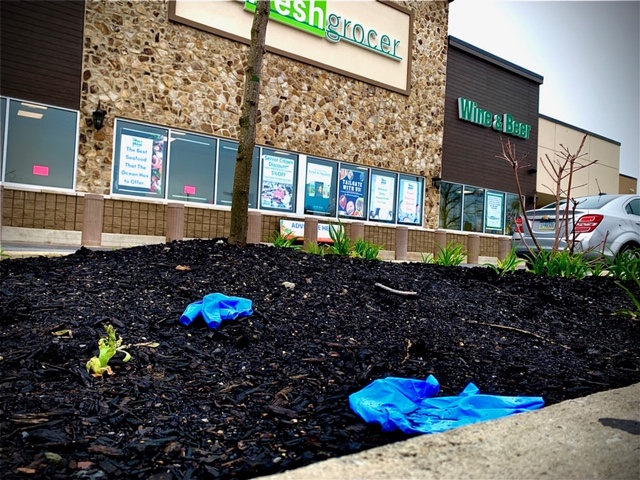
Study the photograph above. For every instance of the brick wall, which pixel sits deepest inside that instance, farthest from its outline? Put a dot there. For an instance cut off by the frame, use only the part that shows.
(57, 211)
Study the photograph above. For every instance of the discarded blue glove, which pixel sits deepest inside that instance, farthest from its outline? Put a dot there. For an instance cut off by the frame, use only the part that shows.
(408, 405)
(216, 307)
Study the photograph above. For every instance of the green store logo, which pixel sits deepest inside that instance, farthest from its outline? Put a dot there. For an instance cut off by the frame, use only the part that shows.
(469, 111)
(311, 16)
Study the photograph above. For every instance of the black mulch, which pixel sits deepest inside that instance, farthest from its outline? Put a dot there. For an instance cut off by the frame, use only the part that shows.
(270, 392)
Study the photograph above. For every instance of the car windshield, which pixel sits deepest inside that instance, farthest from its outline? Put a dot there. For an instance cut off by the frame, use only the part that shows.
(587, 203)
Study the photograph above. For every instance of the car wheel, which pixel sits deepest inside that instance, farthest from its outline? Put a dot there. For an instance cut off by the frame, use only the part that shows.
(631, 248)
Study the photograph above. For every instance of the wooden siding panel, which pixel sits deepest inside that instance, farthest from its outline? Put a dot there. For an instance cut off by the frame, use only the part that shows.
(41, 51)
(469, 150)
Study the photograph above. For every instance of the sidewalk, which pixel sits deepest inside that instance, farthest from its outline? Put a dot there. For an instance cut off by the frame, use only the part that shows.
(595, 437)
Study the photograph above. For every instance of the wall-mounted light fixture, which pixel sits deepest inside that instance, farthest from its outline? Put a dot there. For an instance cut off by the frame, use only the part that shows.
(436, 181)
(98, 117)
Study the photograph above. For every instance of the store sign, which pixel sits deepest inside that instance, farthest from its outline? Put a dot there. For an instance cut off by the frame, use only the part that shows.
(367, 40)
(308, 16)
(469, 111)
(311, 16)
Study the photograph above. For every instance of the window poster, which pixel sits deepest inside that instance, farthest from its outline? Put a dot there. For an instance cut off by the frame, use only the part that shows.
(352, 188)
(319, 196)
(141, 163)
(410, 201)
(277, 182)
(383, 197)
(494, 207)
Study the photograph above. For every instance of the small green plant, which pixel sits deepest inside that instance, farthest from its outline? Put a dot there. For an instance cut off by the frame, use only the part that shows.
(3, 254)
(108, 346)
(284, 240)
(631, 313)
(450, 256)
(428, 258)
(509, 265)
(623, 266)
(599, 269)
(315, 249)
(341, 242)
(364, 249)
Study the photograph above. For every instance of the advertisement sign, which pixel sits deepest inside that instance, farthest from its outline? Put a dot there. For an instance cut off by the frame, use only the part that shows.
(277, 182)
(141, 163)
(294, 229)
(383, 197)
(410, 202)
(493, 215)
(352, 187)
(319, 199)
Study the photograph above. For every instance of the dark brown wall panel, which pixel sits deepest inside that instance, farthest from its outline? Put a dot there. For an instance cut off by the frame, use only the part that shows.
(41, 50)
(470, 150)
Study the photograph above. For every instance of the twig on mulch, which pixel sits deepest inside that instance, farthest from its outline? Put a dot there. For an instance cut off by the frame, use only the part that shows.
(397, 292)
(526, 332)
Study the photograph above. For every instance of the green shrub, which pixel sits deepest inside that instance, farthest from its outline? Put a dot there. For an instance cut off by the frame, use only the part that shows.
(553, 263)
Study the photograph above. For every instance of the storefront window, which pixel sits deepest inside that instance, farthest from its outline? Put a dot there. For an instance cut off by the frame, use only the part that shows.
(450, 205)
(494, 213)
(139, 166)
(513, 211)
(352, 192)
(382, 203)
(473, 208)
(278, 180)
(192, 167)
(410, 200)
(320, 187)
(41, 145)
(226, 171)
(163, 163)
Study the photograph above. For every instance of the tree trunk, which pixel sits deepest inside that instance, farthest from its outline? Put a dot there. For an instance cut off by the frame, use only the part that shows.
(244, 159)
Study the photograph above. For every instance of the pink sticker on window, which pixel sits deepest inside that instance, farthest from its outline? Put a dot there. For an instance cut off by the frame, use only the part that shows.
(189, 190)
(41, 170)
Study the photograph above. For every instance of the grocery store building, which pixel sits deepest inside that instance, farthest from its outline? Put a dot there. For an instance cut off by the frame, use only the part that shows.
(136, 105)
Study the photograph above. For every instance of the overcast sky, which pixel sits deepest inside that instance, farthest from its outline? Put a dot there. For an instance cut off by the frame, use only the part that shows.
(587, 51)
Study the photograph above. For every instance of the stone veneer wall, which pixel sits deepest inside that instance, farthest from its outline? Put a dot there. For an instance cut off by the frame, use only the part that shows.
(143, 67)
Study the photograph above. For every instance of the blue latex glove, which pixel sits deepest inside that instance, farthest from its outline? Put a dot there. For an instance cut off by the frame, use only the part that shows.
(409, 405)
(216, 307)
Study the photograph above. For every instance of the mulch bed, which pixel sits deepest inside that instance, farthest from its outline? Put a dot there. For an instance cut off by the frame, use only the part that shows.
(269, 392)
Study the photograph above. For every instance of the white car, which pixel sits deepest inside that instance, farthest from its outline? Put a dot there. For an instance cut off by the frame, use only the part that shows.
(604, 224)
